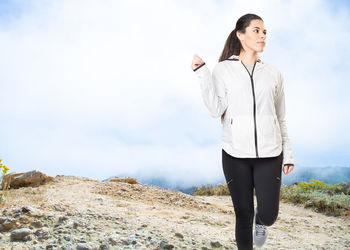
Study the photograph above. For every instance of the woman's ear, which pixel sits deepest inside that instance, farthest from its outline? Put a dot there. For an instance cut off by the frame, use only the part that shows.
(239, 35)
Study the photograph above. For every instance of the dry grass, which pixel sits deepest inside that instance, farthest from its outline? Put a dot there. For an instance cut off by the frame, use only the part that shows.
(23, 196)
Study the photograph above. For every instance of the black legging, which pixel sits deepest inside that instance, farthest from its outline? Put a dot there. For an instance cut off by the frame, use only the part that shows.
(242, 175)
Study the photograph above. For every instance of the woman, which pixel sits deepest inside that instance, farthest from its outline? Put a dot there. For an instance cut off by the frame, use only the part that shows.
(248, 94)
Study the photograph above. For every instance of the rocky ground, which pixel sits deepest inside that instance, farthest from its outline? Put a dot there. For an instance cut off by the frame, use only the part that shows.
(81, 213)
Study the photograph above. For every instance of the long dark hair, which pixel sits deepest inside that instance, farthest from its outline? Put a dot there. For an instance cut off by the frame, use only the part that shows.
(233, 45)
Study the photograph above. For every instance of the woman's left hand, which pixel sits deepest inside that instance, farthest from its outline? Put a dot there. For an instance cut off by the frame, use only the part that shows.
(288, 168)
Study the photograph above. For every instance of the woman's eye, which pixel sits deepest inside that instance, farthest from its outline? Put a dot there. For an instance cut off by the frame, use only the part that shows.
(258, 31)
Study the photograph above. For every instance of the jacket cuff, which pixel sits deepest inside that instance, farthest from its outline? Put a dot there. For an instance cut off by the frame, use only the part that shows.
(287, 156)
(199, 66)
(203, 74)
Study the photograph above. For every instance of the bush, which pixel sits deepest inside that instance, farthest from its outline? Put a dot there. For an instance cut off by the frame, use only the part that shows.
(4, 171)
(325, 198)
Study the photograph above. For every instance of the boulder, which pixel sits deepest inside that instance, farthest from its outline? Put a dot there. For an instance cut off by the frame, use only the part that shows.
(26, 179)
(129, 180)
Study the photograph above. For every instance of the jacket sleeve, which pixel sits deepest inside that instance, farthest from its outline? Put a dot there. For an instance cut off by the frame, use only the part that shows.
(213, 89)
(281, 115)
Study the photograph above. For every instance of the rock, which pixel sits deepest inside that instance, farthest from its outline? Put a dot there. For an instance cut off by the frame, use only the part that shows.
(36, 223)
(62, 219)
(3, 219)
(67, 238)
(36, 248)
(100, 199)
(125, 241)
(10, 223)
(58, 207)
(42, 233)
(76, 224)
(129, 180)
(24, 219)
(67, 247)
(20, 234)
(179, 235)
(51, 246)
(83, 246)
(113, 239)
(28, 209)
(26, 179)
(215, 244)
(164, 244)
(103, 246)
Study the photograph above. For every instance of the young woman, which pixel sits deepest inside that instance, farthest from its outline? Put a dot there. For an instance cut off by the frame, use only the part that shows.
(248, 94)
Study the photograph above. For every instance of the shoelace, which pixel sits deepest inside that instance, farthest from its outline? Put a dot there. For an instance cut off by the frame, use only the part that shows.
(260, 229)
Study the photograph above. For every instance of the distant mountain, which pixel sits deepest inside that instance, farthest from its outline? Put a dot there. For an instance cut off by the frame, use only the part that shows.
(330, 175)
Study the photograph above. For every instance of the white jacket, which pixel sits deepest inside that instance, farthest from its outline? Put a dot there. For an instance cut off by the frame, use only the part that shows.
(254, 124)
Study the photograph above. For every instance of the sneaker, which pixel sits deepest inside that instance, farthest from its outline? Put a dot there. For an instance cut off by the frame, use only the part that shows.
(260, 232)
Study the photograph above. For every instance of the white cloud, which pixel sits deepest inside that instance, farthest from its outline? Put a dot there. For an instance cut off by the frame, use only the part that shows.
(105, 86)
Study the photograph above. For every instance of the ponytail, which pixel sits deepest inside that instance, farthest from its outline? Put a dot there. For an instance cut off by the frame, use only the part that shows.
(232, 46)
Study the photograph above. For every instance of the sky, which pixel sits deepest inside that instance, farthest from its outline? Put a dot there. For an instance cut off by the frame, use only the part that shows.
(105, 88)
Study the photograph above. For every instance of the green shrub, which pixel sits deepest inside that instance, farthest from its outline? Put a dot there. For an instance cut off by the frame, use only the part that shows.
(324, 198)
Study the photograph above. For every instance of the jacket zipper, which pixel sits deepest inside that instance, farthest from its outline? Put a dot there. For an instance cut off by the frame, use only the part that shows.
(254, 108)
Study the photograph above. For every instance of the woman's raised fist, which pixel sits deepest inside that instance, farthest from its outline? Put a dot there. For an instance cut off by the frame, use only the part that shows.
(196, 61)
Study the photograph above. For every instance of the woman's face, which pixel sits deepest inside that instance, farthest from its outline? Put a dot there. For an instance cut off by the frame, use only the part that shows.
(254, 37)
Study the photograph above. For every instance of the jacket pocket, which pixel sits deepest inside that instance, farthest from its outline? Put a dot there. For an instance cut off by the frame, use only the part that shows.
(242, 128)
(267, 134)
(268, 125)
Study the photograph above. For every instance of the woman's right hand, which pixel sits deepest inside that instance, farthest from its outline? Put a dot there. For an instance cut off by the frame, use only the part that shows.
(196, 61)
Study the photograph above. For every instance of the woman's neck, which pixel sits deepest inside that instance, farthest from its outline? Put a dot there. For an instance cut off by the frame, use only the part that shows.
(248, 57)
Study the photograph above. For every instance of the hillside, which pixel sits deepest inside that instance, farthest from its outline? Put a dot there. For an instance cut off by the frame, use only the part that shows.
(81, 213)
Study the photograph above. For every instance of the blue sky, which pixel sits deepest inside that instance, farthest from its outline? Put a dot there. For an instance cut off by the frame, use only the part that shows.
(104, 88)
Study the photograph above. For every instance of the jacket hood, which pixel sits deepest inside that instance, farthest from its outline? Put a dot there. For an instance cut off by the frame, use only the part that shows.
(236, 58)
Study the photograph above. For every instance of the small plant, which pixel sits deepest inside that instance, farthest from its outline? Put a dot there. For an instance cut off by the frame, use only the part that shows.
(220, 189)
(322, 197)
(4, 171)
